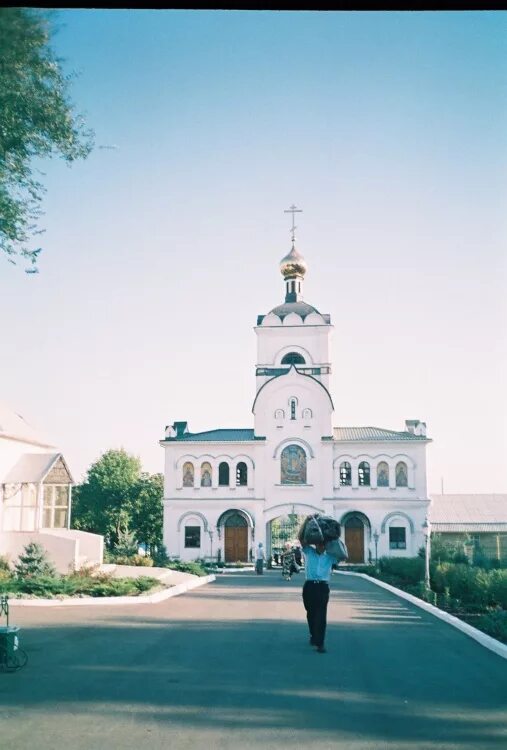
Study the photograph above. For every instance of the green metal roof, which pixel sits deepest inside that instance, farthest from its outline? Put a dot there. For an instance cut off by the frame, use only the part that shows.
(228, 435)
(372, 433)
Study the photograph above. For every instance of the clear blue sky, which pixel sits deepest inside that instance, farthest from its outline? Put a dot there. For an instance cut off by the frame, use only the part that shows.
(388, 129)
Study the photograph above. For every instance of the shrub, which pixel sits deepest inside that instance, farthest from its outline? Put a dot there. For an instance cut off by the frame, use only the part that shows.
(4, 564)
(407, 570)
(34, 563)
(498, 588)
(159, 556)
(494, 624)
(195, 568)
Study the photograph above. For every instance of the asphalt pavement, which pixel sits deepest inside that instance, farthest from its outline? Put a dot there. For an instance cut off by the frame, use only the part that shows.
(228, 667)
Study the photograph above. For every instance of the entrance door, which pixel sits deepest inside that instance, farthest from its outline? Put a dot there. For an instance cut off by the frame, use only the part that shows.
(236, 539)
(354, 539)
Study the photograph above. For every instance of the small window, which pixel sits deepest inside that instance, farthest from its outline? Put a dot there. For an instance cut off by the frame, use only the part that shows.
(401, 474)
(192, 536)
(307, 413)
(397, 537)
(223, 474)
(382, 474)
(206, 474)
(345, 474)
(188, 475)
(279, 414)
(293, 358)
(241, 474)
(364, 474)
(293, 408)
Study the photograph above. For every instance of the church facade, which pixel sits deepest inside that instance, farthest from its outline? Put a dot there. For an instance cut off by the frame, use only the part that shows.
(227, 489)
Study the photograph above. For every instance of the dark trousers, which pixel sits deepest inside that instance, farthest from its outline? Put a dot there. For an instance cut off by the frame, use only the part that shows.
(315, 599)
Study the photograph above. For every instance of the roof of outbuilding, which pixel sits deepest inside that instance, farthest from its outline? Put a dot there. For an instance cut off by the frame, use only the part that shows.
(350, 434)
(32, 467)
(228, 435)
(468, 513)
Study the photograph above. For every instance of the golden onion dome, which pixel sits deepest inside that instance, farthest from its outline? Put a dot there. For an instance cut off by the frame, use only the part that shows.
(293, 264)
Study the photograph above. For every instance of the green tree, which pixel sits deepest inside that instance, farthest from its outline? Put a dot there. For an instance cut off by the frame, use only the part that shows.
(106, 501)
(37, 120)
(148, 516)
(33, 562)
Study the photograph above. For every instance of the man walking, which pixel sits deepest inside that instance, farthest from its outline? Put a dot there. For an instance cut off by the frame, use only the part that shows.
(259, 559)
(318, 566)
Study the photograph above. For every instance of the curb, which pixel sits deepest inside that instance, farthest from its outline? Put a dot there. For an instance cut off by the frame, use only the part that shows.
(500, 649)
(159, 596)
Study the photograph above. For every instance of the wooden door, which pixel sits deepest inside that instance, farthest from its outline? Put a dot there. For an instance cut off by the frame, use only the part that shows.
(354, 539)
(236, 543)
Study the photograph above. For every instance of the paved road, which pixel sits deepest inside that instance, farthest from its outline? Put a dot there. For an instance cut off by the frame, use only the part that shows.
(228, 667)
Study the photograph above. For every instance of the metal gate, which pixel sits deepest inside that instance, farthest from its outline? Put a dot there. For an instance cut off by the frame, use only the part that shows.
(284, 529)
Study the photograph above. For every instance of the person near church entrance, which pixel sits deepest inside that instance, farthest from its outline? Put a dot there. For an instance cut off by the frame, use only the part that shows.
(260, 556)
(318, 567)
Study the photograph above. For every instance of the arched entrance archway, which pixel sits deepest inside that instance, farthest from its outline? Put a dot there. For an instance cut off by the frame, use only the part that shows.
(357, 527)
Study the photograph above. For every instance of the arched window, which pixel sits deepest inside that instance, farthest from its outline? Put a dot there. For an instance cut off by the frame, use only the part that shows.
(293, 465)
(279, 414)
(382, 474)
(307, 413)
(206, 474)
(345, 474)
(241, 474)
(364, 474)
(223, 474)
(293, 408)
(401, 474)
(188, 474)
(293, 358)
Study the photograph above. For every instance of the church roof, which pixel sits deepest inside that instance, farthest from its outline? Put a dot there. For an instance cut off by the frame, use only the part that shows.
(350, 434)
(300, 308)
(13, 425)
(472, 513)
(239, 435)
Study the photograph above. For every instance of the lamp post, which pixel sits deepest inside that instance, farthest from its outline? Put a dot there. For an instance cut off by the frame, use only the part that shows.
(375, 539)
(427, 534)
(210, 532)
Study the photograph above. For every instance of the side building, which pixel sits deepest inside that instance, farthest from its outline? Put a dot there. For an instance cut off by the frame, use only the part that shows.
(36, 498)
(227, 489)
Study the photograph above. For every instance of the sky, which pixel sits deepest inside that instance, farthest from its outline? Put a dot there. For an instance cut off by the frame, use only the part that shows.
(389, 130)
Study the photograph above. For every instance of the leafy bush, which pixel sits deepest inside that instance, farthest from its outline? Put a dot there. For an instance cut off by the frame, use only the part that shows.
(494, 624)
(400, 570)
(33, 562)
(4, 564)
(193, 567)
(141, 560)
(498, 588)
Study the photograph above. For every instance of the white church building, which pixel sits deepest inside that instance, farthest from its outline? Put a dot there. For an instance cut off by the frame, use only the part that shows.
(224, 488)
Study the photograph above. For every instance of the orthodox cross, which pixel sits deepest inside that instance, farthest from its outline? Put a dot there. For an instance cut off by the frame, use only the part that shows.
(293, 210)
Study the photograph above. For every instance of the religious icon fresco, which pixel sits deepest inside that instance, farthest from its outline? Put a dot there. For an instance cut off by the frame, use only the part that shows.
(401, 475)
(382, 474)
(206, 475)
(293, 465)
(188, 475)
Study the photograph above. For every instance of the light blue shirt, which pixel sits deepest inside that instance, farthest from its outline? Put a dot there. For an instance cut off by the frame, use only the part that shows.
(318, 567)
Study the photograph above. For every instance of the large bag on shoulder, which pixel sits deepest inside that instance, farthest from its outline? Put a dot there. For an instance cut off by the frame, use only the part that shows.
(337, 548)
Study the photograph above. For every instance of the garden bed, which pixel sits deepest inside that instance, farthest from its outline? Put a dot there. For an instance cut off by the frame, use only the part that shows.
(473, 594)
(76, 586)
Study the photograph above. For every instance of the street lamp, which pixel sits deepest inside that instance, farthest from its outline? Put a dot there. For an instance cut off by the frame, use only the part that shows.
(375, 539)
(427, 534)
(210, 532)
